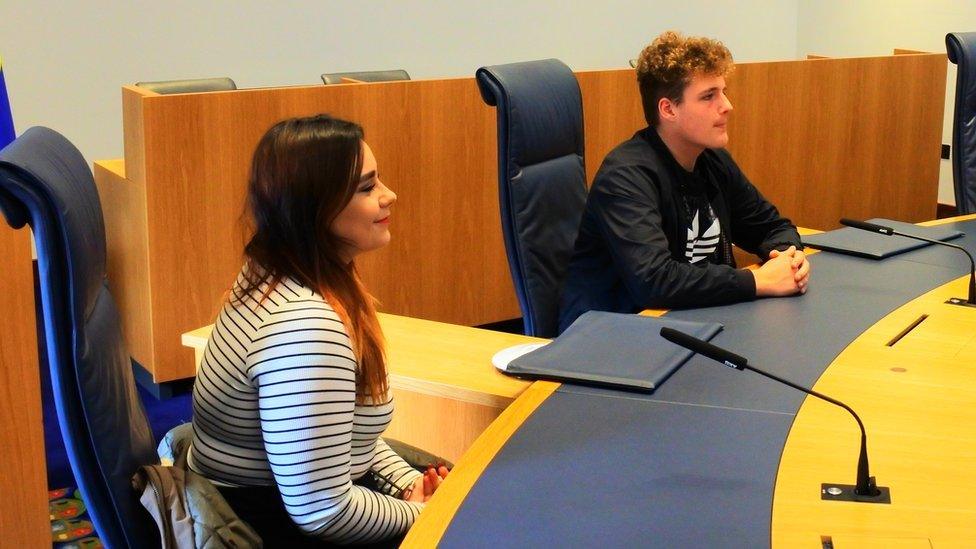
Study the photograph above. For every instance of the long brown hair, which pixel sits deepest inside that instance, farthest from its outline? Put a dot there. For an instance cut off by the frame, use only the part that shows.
(304, 172)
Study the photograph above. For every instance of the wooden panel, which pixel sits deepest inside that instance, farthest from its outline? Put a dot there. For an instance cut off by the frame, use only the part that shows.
(442, 426)
(435, 145)
(817, 137)
(24, 517)
(611, 113)
(828, 138)
(134, 132)
(127, 244)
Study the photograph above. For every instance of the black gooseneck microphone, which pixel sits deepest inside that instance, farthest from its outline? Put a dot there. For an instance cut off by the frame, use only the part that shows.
(866, 490)
(881, 229)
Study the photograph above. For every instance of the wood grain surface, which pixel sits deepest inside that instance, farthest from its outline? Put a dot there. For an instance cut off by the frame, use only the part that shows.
(821, 138)
(24, 519)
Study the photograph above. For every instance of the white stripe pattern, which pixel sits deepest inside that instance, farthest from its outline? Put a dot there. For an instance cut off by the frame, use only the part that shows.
(275, 402)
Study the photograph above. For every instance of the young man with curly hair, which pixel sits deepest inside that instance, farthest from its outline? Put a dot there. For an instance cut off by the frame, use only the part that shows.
(667, 205)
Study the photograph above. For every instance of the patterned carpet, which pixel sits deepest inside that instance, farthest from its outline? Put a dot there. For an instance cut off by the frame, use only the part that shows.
(70, 527)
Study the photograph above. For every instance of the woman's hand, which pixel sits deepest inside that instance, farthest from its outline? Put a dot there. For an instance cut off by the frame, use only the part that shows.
(426, 484)
(416, 492)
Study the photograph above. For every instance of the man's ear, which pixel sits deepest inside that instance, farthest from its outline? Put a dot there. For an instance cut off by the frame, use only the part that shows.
(665, 109)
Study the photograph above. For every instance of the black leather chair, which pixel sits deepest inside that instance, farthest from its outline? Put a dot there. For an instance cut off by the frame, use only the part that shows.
(189, 86)
(366, 76)
(45, 183)
(541, 179)
(961, 47)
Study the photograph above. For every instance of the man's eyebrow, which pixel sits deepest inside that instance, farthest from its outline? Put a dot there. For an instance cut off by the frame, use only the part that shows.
(709, 90)
(367, 176)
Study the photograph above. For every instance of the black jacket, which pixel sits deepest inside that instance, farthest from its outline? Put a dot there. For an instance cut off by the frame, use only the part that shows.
(630, 251)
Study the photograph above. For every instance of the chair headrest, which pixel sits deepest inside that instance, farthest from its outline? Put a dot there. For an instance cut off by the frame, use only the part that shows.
(60, 175)
(548, 89)
(189, 86)
(13, 211)
(958, 44)
(366, 76)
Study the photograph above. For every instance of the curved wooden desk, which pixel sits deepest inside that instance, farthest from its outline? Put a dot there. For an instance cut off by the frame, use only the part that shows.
(916, 398)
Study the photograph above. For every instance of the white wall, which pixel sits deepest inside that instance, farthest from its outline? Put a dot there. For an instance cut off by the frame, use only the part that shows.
(65, 62)
(875, 27)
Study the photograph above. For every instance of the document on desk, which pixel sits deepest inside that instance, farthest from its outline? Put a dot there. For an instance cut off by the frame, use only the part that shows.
(860, 243)
(615, 350)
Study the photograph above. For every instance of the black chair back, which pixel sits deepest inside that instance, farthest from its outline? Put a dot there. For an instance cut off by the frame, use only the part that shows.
(961, 47)
(541, 179)
(366, 76)
(45, 182)
(196, 85)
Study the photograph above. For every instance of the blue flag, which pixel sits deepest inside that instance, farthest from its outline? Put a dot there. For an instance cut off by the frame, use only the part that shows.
(6, 118)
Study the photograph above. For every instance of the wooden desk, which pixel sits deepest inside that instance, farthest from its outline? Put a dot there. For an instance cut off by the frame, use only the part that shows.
(446, 390)
(813, 135)
(918, 417)
(919, 432)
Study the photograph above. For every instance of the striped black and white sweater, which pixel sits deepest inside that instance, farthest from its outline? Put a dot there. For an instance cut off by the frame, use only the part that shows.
(275, 403)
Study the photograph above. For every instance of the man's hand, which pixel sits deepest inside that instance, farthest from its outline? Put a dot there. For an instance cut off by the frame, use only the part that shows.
(801, 267)
(786, 273)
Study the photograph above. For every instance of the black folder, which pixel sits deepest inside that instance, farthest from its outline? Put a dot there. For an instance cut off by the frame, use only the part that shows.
(860, 243)
(621, 351)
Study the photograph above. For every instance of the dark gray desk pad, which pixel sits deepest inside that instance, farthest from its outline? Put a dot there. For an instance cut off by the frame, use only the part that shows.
(696, 461)
(851, 241)
(605, 350)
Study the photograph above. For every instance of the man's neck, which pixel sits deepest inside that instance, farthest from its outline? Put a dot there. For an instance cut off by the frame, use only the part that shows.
(685, 153)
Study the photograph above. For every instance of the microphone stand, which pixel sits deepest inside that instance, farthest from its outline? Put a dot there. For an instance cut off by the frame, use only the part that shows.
(882, 229)
(866, 489)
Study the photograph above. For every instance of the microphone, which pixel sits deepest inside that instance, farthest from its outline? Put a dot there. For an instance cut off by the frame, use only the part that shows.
(866, 489)
(881, 229)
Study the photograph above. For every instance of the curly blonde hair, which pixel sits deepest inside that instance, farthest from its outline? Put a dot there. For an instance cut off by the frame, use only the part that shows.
(668, 64)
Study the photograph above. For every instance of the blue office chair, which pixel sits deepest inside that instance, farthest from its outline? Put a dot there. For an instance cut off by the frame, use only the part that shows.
(45, 182)
(961, 47)
(541, 179)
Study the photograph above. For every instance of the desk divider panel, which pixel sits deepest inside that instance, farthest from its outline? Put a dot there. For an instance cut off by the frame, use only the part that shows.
(821, 138)
(23, 482)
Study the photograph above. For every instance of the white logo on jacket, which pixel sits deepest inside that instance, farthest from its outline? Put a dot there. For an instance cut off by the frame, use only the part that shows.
(702, 244)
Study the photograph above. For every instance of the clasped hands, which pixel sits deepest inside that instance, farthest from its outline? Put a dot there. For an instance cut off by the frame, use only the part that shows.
(426, 485)
(786, 272)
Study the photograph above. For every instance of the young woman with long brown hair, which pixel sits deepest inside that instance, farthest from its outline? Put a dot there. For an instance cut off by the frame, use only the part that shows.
(292, 392)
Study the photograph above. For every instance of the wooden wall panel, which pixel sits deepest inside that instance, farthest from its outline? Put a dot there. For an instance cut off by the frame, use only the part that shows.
(829, 138)
(435, 145)
(821, 138)
(127, 245)
(24, 520)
